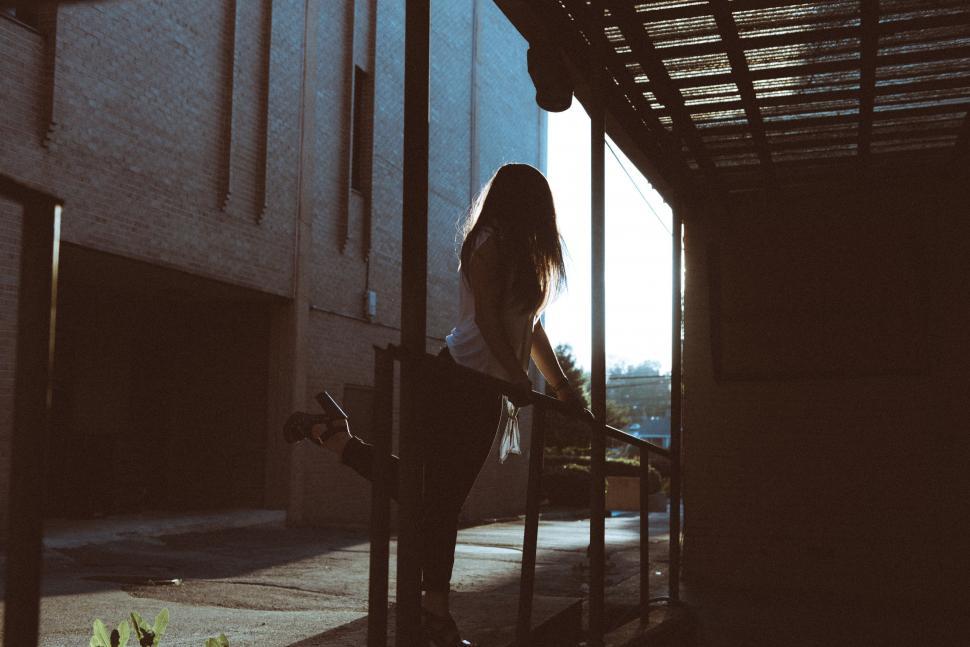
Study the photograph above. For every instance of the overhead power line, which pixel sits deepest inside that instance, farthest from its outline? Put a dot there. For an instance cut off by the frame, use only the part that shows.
(633, 182)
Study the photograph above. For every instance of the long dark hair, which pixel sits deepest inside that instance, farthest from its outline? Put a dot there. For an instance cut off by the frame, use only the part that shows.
(517, 206)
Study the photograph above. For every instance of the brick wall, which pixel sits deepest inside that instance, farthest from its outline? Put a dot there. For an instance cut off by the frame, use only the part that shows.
(10, 228)
(508, 130)
(148, 118)
(139, 147)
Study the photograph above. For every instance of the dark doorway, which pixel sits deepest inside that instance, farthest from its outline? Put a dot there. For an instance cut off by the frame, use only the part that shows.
(161, 387)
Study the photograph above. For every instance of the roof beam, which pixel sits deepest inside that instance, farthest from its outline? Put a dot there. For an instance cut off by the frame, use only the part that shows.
(729, 32)
(655, 155)
(660, 83)
(700, 10)
(812, 36)
(850, 94)
(787, 124)
(667, 151)
(839, 138)
(601, 48)
(867, 84)
(808, 69)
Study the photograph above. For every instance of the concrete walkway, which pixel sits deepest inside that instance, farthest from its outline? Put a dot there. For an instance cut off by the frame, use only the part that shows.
(270, 585)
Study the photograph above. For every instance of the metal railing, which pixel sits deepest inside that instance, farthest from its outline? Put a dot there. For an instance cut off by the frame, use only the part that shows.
(431, 367)
(36, 302)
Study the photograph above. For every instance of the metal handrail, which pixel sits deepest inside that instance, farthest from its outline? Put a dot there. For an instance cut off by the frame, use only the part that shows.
(380, 510)
(540, 400)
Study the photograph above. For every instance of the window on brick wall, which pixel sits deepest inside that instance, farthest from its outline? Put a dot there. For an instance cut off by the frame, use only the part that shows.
(27, 14)
(361, 132)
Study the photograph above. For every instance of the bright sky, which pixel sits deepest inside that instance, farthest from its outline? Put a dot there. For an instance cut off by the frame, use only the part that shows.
(637, 251)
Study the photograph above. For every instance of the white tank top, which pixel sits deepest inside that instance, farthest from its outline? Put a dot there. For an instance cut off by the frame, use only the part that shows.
(468, 348)
(466, 344)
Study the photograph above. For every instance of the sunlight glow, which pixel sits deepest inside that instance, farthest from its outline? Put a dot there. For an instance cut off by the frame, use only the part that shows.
(638, 260)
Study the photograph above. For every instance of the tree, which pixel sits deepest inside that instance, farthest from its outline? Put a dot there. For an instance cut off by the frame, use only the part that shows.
(641, 388)
(577, 378)
(618, 415)
(564, 431)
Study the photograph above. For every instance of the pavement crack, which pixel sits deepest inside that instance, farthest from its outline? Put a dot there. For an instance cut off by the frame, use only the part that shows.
(263, 584)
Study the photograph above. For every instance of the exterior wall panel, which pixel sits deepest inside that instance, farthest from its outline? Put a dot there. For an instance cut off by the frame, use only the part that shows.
(832, 490)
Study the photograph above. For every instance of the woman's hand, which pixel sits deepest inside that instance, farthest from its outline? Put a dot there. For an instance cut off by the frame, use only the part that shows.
(568, 394)
(523, 388)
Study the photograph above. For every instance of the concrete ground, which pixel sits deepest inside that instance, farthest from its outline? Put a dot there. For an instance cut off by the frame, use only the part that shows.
(247, 575)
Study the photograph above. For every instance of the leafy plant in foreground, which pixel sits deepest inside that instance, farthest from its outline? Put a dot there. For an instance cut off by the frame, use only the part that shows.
(148, 635)
(117, 638)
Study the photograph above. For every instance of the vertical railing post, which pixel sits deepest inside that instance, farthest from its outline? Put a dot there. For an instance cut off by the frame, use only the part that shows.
(597, 530)
(36, 302)
(380, 517)
(414, 275)
(530, 539)
(675, 406)
(644, 535)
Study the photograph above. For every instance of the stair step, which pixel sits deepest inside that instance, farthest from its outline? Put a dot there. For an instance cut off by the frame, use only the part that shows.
(487, 617)
(668, 626)
(561, 629)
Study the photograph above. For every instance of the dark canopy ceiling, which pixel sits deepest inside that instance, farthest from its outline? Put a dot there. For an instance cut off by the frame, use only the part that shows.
(745, 94)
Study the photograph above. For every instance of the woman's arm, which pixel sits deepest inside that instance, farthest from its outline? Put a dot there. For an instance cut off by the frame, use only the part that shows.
(486, 275)
(548, 364)
(545, 357)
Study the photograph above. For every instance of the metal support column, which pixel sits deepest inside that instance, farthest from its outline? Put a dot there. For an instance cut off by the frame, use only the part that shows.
(644, 536)
(380, 535)
(530, 539)
(597, 531)
(414, 273)
(675, 405)
(36, 305)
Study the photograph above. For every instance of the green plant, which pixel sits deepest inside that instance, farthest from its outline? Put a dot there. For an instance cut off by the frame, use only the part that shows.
(554, 461)
(147, 635)
(558, 452)
(567, 485)
(565, 478)
(117, 638)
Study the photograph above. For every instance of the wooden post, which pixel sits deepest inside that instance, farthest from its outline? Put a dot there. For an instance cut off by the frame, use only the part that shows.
(530, 538)
(644, 536)
(597, 531)
(36, 307)
(414, 274)
(675, 406)
(380, 517)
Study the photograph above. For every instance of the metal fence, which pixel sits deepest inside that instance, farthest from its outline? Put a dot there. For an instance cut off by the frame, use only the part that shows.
(429, 367)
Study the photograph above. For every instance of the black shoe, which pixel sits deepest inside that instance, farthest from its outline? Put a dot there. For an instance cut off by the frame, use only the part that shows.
(441, 631)
(299, 425)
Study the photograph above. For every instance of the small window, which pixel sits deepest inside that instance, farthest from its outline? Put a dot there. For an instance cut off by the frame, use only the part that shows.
(360, 135)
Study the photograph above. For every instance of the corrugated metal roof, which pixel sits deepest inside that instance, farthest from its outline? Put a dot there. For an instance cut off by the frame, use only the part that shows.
(749, 93)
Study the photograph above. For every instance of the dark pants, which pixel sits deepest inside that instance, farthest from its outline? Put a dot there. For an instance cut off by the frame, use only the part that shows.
(461, 425)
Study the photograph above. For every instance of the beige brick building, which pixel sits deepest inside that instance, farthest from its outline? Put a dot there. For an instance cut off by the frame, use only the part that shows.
(232, 181)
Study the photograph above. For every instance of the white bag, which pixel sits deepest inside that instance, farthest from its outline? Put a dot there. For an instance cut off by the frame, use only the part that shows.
(509, 426)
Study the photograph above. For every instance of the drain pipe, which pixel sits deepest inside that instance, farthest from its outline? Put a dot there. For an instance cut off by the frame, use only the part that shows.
(299, 319)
